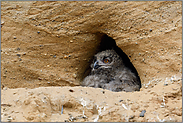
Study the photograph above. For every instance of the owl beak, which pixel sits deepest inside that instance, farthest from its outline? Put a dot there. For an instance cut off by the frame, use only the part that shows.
(96, 66)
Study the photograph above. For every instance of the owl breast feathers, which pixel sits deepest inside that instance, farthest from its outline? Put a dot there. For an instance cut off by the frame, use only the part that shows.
(109, 72)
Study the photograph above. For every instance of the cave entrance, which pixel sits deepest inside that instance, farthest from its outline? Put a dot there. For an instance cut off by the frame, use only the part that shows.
(108, 43)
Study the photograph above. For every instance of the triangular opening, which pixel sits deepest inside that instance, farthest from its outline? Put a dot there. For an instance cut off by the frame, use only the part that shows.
(107, 43)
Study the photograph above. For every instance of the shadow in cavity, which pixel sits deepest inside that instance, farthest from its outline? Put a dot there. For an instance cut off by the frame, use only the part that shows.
(108, 43)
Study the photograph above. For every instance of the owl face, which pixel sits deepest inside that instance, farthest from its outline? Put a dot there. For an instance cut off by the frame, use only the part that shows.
(106, 59)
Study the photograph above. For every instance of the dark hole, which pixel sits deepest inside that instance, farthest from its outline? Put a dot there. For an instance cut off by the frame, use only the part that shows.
(71, 90)
(108, 43)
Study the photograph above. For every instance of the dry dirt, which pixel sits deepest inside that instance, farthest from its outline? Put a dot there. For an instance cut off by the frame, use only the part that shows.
(46, 49)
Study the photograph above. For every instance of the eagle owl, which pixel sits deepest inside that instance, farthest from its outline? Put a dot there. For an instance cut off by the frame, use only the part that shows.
(108, 71)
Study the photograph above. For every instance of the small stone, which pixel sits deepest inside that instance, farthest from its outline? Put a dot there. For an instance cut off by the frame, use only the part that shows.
(74, 75)
(18, 55)
(71, 41)
(142, 113)
(18, 48)
(150, 30)
(54, 56)
(131, 116)
(120, 100)
(9, 119)
(65, 56)
(2, 22)
(15, 38)
(16, 111)
(165, 84)
(38, 32)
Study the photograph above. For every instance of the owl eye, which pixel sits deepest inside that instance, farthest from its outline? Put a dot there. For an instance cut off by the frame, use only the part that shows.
(106, 60)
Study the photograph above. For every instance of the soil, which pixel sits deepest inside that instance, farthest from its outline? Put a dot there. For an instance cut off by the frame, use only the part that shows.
(47, 47)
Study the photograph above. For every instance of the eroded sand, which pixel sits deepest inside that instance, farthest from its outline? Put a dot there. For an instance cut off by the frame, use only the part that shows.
(47, 46)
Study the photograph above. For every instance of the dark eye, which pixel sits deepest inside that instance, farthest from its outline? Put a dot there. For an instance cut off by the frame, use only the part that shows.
(106, 60)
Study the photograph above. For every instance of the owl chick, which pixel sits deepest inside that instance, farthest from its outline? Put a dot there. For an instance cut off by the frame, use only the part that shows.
(109, 72)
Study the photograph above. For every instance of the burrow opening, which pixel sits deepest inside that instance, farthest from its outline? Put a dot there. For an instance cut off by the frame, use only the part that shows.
(108, 43)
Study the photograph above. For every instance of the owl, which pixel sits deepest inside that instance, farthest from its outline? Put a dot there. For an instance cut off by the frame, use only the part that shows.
(110, 71)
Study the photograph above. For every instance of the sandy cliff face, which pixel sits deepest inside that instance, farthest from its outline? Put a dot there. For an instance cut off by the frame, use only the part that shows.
(51, 44)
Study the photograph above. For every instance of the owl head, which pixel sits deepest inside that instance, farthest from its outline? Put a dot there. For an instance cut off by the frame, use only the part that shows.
(107, 59)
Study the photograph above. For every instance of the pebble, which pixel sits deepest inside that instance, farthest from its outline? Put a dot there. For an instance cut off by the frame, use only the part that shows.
(2, 22)
(5, 88)
(14, 60)
(38, 32)
(131, 116)
(165, 84)
(120, 100)
(65, 56)
(9, 119)
(142, 113)
(16, 111)
(150, 30)
(18, 55)
(74, 75)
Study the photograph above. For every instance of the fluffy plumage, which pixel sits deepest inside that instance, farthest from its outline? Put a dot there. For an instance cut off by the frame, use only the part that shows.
(109, 72)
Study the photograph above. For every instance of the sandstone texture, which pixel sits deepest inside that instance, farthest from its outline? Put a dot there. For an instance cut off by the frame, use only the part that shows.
(47, 47)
